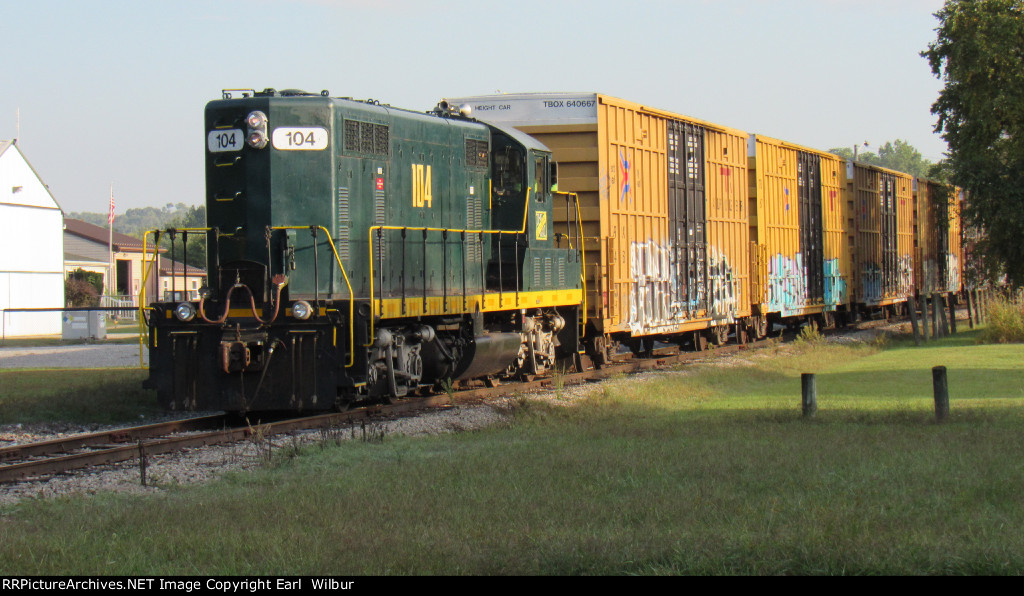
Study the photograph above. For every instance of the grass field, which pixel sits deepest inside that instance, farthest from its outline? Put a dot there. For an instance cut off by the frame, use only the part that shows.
(79, 396)
(706, 470)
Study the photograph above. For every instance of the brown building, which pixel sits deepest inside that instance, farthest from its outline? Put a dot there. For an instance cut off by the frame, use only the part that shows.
(86, 246)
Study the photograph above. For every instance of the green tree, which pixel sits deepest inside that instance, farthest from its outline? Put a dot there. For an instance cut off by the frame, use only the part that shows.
(195, 251)
(979, 53)
(896, 155)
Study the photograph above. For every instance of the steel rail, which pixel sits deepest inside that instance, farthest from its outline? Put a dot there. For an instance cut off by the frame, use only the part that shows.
(135, 439)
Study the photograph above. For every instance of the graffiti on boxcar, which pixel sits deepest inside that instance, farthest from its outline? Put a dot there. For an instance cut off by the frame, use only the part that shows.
(930, 275)
(871, 283)
(787, 284)
(905, 276)
(893, 284)
(724, 293)
(952, 273)
(651, 303)
(663, 295)
(835, 285)
(624, 168)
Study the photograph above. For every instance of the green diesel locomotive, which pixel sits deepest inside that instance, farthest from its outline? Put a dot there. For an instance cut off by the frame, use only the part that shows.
(359, 251)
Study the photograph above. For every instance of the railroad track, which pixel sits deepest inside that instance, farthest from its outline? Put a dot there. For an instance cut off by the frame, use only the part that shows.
(58, 456)
(44, 458)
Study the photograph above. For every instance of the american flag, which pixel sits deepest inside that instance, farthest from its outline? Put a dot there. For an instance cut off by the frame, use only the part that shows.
(110, 216)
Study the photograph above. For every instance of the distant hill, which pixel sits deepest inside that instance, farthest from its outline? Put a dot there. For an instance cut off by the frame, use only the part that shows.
(135, 222)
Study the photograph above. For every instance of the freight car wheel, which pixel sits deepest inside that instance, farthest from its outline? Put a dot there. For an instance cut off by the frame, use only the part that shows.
(599, 350)
(720, 335)
(700, 341)
(760, 327)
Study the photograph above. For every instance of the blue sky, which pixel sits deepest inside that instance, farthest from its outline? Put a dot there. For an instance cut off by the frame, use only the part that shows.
(112, 92)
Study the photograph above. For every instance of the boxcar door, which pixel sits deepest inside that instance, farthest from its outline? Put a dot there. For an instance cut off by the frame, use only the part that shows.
(890, 254)
(941, 227)
(687, 215)
(811, 231)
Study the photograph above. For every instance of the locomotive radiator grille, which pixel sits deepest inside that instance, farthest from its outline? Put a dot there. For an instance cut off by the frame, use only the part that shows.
(474, 221)
(366, 137)
(379, 219)
(344, 224)
(476, 153)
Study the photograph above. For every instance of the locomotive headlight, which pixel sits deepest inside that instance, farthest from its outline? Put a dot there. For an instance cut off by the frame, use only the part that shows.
(185, 312)
(257, 120)
(301, 310)
(258, 139)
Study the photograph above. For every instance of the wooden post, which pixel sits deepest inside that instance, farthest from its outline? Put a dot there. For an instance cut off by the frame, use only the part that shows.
(951, 299)
(970, 309)
(940, 308)
(809, 390)
(924, 316)
(941, 391)
(912, 309)
(935, 317)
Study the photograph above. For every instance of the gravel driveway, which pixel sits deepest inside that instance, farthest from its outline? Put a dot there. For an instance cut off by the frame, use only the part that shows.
(83, 356)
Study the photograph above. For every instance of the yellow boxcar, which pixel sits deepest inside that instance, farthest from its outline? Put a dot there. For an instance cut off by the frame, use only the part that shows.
(880, 202)
(937, 237)
(797, 229)
(663, 200)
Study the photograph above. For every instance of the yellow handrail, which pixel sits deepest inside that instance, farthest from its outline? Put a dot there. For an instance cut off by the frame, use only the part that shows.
(582, 249)
(351, 294)
(337, 258)
(146, 269)
(526, 212)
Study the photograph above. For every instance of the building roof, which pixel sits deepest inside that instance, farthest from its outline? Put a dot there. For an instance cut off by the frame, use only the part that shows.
(167, 267)
(5, 145)
(121, 242)
(73, 258)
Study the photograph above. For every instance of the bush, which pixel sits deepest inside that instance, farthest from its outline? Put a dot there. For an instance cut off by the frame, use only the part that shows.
(1005, 323)
(80, 293)
(95, 279)
(809, 335)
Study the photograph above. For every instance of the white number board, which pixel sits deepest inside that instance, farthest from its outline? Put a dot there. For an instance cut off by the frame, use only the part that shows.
(299, 138)
(225, 140)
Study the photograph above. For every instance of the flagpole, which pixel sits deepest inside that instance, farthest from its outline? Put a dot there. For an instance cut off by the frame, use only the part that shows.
(112, 277)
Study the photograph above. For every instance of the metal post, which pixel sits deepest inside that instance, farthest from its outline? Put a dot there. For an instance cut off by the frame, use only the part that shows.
(142, 461)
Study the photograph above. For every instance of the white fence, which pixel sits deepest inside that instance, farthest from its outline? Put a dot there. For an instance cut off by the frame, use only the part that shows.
(120, 302)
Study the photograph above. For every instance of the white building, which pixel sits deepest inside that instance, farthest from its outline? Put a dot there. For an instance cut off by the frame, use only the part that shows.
(31, 249)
